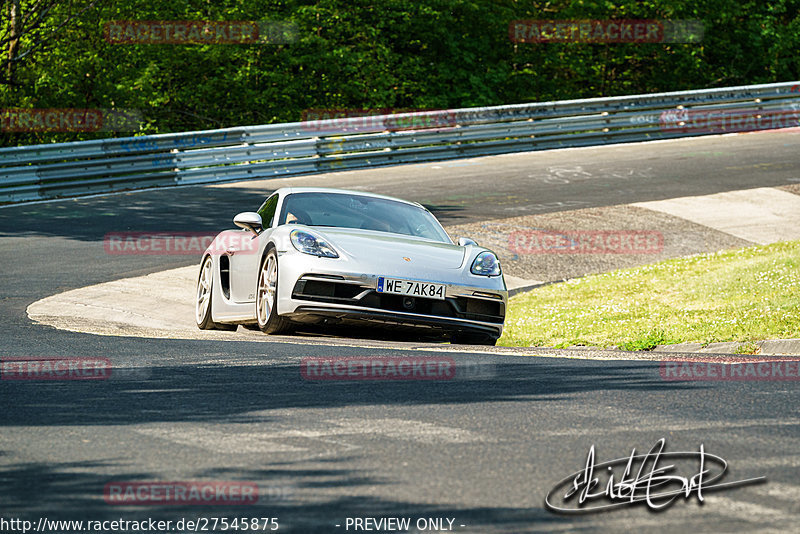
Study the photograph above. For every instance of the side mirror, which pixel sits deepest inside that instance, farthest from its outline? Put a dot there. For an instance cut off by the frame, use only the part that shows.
(249, 220)
(464, 241)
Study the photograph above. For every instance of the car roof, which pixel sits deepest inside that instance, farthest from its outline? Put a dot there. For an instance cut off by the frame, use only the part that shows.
(290, 190)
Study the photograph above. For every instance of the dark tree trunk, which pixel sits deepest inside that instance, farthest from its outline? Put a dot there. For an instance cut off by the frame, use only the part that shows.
(13, 44)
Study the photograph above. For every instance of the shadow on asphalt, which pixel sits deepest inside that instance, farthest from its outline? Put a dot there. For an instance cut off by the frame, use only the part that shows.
(183, 209)
(241, 394)
(74, 491)
(227, 393)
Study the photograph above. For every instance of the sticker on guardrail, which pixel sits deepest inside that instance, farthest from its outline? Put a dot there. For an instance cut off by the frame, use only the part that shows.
(606, 31)
(199, 32)
(19, 120)
(147, 144)
(341, 120)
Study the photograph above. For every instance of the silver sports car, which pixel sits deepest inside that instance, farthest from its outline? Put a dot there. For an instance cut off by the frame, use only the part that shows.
(313, 255)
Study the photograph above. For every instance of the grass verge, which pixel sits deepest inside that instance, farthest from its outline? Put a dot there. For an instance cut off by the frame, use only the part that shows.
(739, 295)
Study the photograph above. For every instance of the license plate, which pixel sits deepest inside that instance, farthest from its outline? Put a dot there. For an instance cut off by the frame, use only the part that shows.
(411, 288)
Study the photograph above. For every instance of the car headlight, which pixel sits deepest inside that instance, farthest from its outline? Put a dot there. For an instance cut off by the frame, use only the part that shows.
(308, 243)
(486, 264)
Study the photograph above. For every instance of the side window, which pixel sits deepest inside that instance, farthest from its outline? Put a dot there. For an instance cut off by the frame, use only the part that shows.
(267, 211)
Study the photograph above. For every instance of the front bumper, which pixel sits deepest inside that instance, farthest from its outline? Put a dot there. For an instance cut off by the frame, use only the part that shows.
(349, 314)
(314, 295)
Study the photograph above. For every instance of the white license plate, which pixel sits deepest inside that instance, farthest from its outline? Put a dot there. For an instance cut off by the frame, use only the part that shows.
(411, 288)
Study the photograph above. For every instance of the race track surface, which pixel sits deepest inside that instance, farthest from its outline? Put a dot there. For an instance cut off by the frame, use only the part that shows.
(484, 446)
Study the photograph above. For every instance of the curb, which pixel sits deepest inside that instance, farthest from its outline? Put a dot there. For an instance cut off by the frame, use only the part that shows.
(770, 347)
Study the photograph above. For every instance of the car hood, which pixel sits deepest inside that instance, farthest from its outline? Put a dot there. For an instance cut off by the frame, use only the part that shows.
(381, 248)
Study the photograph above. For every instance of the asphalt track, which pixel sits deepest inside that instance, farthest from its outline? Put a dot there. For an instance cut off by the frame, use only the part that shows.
(484, 448)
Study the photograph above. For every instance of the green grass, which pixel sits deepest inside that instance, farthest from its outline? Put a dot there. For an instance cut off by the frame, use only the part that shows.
(739, 295)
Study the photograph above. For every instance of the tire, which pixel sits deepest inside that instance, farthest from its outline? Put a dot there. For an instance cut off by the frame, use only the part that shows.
(267, 316)
(473, 338)
(202, 303)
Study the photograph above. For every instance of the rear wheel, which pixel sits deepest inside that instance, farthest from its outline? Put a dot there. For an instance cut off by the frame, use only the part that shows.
(267, 296)
(202, 308)
(472, 338)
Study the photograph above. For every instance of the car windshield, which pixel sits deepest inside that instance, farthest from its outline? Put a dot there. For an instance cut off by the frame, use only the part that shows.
(342, 210)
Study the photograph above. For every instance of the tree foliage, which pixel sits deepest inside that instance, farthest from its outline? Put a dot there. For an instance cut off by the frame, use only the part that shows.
(369, 54)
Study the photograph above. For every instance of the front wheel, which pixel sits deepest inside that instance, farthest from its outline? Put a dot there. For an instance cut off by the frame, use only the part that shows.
(269, 321)
(202, 307)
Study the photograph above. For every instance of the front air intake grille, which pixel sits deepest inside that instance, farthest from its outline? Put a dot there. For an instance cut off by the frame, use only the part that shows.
(323, 291)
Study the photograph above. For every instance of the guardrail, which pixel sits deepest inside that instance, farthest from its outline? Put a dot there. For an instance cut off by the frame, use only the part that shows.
(72, 169)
